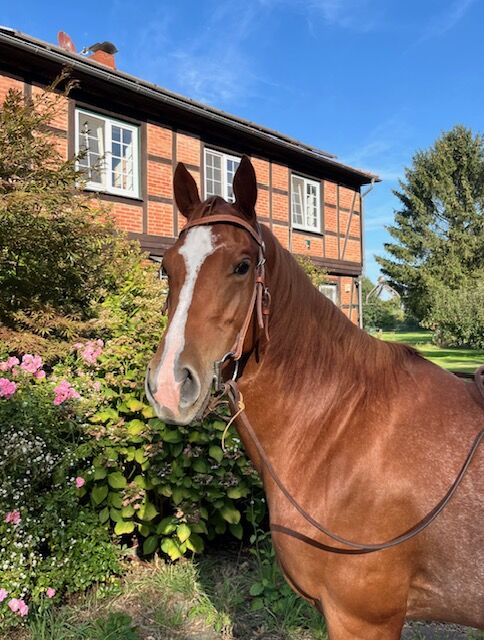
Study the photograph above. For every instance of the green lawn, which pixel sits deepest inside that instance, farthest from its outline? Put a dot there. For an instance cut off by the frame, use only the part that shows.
(454, 359)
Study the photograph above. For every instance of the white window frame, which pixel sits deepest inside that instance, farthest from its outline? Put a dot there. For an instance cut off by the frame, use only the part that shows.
(330, 287)
(105, 171)
(225, 157)
(305, 226)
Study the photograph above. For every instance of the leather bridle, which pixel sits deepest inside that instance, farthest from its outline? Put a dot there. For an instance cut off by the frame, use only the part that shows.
(260, 301)
(260, 307)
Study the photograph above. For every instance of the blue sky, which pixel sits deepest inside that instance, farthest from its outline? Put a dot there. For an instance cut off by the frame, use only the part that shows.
(369, 80)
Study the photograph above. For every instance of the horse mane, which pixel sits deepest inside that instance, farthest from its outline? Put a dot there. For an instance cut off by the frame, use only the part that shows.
(309, 332)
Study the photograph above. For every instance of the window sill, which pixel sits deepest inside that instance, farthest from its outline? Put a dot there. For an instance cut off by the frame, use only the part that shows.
(107, 195)
(309, 232)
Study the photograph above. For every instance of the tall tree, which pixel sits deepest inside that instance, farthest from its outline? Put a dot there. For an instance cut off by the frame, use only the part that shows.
(439, 230)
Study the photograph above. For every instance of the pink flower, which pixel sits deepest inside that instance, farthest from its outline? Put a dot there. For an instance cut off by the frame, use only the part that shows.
(7, 388)
(50, 592)
(14, 605)
(18, 606)
(9, 363)
(31, 363)
(63, 392)
(23, 609)
(80, 482)
(40, 374)
(13, 517)
(3, 594)
(90, 351)
(97, 386)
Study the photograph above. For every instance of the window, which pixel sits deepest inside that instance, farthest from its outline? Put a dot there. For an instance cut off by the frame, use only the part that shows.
(109, 154)
(330, 290)
(305, 204)
(220, 169)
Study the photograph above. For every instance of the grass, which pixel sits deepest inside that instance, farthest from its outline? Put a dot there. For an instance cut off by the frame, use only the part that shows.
(454, 359)
(205, 599)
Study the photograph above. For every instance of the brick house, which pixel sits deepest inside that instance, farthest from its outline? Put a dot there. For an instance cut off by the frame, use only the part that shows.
(312, 202)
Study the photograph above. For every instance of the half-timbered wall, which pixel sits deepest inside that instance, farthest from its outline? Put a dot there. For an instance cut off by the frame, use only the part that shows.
(153, 218)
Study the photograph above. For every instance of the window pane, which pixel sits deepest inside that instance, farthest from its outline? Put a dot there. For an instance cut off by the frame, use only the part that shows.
(330, 291)
(91, 147)
(297, 200)
(231, 168)
(311, 206)
(213, 174)
(122, 169)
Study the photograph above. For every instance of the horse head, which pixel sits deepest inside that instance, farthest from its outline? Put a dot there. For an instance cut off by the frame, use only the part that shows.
(211, 272)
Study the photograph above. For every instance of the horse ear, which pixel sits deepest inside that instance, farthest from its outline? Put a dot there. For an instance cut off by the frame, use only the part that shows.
(245, 188)
(186, 190)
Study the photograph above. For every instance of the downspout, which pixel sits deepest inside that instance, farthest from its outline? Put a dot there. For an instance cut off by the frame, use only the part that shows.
(360, 278)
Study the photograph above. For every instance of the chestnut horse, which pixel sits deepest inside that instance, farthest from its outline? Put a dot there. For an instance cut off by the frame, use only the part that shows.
(366, 436)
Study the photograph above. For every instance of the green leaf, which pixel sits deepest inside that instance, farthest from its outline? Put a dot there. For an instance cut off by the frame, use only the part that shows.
(150, 545)
(237, 530)
(257, 589)
(216, 453)
(237, 492)
(105, 415)
(139, 456)
(183, 532)
(127, 511)
(200, 466)
(99, 493)
(115, 515)
(140, 481)
(230, 514)
(147, 511)
(100, 473)
(178, 495)
(134, 405)
(166, 526)
(195, 543)
(144, 529)
(148, 412)
(116, 480)
(104, 515)
(115, 499)
(171, 548)
(219, 425)
(135, 427)
(124, 527)
(257, 604)
(172, 435)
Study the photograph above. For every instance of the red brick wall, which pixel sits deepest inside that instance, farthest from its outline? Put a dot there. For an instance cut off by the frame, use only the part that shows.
(155, 214)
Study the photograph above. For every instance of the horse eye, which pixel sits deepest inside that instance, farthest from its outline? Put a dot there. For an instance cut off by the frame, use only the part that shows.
(242, 268)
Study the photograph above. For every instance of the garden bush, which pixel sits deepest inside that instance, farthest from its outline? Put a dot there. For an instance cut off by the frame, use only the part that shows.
(59, 250)
(162, 486)
(49, 543)
(457, 317)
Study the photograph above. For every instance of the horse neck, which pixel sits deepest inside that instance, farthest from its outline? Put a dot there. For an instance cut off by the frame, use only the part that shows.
(314, 350)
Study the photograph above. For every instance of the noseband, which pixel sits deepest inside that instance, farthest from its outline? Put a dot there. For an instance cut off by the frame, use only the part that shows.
(260, 301)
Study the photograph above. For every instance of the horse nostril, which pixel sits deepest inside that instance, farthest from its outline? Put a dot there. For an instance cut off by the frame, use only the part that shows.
(190, 387)
(148, 385)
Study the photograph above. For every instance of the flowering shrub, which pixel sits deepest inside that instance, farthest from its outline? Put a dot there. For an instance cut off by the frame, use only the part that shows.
(157, 486)
(49, 543)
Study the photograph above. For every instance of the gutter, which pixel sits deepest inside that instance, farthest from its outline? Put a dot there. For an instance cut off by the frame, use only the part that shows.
(39, 48)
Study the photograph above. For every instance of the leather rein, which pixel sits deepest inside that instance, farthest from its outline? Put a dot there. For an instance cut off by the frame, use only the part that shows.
(260, 307)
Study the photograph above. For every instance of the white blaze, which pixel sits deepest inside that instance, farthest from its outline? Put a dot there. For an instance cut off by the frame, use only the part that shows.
(198, 245)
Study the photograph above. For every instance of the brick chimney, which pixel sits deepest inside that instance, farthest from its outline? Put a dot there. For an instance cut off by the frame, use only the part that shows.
(103, 52)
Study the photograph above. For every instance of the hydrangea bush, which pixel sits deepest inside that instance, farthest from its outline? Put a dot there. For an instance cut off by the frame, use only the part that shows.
(49, 543)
